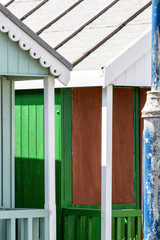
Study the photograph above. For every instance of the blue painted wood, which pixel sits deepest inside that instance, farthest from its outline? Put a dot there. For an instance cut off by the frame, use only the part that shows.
(14, 61)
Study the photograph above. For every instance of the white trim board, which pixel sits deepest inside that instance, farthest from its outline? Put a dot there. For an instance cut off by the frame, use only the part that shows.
(77, 79)
(126, 59)
(131, 68)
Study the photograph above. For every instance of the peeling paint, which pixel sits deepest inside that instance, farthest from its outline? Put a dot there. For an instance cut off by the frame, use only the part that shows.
(155, 45)
(151, 179)
(151, 167)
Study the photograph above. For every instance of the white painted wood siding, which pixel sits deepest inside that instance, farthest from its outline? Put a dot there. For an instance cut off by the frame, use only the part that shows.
(138, 74)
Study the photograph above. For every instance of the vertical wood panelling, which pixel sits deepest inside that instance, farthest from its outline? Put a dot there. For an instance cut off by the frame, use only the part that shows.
(66, 148)
(3, 55)
(86, 145)
(29, 148)
(85, 224)
(140, 71)
(130, 76)
(147, 69)
(123, 142)
(13, 60)
(138, 74)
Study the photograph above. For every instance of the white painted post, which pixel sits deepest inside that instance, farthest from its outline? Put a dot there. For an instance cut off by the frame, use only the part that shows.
(106, 161)
(49, 124)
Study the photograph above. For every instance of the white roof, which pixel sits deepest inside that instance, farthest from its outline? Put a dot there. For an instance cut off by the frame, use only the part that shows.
(94, 45)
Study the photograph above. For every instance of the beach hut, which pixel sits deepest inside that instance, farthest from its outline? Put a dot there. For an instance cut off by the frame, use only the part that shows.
(25, 56)
(98, 146)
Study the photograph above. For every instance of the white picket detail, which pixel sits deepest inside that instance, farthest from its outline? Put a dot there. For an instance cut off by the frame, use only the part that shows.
(24, 224)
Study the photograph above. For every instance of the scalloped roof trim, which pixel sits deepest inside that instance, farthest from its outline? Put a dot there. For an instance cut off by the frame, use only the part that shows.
(36, 51)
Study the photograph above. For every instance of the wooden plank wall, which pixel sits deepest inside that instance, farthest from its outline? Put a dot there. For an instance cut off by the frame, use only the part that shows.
(86, 145)
(29, 149)
(15, 61)
(123, 146)
(138, 74)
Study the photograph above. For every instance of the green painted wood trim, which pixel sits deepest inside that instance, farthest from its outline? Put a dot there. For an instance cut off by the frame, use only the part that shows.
(97, 212)
(80, 224)
(58, 116)
(127, 213)
(63, 148)
(66, 186)
(81, 212)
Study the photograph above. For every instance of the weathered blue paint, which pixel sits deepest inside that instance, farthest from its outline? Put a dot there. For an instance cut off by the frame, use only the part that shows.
(151, 138)
(151, 190)
(155, 44)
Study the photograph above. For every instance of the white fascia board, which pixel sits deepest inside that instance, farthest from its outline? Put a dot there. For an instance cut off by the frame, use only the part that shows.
(36, 51)
(128, 57)
(93, 78)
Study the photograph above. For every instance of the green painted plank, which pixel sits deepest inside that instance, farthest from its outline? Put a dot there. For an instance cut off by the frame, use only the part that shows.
(67, 147)
(30, 161)
(138, 228)
(82, 212)
(90, 235)
(17, 124)
(113, 228)
(123, 230)
(129, 228)
(118, 229)
(95, 228)
(127, 213)
(40, 148)
(133, 227)
(84, 228)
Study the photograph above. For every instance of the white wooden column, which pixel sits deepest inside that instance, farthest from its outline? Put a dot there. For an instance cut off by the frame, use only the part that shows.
(7, 178)
(106, 161)
(49, 124)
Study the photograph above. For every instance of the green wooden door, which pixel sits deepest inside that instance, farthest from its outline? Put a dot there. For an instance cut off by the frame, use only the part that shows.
(29, 146)
(29, 149)
(73, 222)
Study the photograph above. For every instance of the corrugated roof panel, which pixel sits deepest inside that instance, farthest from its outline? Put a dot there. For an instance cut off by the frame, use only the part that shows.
(112, 48)
(20, 8)
(93, 33)
(100, 28)
(47, 13)
(73, 20)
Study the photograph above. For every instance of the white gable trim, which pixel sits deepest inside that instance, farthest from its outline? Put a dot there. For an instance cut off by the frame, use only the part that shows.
(94, 78)
(36, 51)
(126, 59)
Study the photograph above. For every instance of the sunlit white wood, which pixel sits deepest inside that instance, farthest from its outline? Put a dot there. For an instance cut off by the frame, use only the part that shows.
(128, 57)
(94, 78)
(106, 161)
(49, 124)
